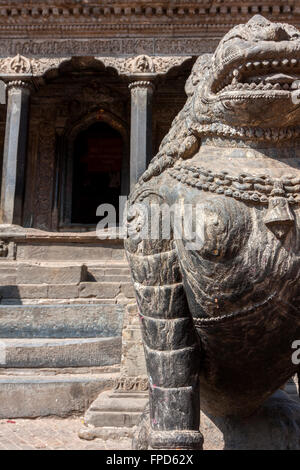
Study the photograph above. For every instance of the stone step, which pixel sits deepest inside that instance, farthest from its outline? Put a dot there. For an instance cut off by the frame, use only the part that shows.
(32, 396)
(7, 269)
(114, 278)
(105, 289)
(62, 301)
(61, 320)
(8, 280)
(59, 353)
(54, 273)
(116, 409)
(111, 273)
(109, 288)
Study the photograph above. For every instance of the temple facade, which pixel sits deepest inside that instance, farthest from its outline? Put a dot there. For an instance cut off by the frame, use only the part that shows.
(88, 91)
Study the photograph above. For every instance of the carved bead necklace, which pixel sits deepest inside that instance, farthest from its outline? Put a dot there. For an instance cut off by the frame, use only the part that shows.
(245, 187)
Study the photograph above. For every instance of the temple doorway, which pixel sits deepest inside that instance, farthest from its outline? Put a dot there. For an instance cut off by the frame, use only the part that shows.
(97, 169)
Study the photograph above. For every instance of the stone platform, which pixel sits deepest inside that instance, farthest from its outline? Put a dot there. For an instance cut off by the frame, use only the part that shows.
(62, 303)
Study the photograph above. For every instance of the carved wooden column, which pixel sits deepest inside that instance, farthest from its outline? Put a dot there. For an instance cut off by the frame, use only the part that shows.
(141, 128)
(14, 156)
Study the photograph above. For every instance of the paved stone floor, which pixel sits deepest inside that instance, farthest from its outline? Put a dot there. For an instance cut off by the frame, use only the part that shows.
(50, 434)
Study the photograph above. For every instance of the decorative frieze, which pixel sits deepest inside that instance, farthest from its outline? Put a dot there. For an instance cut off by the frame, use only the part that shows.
(108, 47)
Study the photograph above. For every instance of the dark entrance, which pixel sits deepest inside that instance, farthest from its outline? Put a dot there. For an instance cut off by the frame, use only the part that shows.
(97, 163)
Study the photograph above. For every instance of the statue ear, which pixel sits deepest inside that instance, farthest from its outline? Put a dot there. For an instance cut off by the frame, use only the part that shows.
(197, 73)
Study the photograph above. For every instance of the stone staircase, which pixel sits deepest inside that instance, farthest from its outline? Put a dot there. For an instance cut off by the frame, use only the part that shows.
(60, 334)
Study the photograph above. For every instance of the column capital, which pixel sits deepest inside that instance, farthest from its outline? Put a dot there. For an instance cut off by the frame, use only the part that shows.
(19, 84)
(138, 83)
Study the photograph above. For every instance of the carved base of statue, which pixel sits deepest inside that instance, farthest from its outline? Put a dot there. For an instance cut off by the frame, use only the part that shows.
(274, 426)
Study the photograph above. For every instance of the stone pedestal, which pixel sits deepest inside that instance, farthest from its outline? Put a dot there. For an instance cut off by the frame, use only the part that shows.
(115, 412)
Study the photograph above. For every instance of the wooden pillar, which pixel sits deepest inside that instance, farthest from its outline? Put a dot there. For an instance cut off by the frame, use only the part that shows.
(14, 155)
(141, 128)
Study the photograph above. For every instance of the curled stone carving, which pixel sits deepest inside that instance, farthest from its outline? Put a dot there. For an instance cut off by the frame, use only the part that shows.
(141, 84)
(137, 384)
(20, 65)
(219, 303)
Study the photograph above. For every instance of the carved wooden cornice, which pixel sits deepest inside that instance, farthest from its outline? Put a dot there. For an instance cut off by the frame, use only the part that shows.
(73, 18)
(138, 67)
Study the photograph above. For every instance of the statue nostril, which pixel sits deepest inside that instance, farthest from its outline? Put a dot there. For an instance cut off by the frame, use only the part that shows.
(281, 34)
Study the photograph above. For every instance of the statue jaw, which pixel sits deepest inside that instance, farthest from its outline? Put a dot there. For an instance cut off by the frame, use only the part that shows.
(254, 81)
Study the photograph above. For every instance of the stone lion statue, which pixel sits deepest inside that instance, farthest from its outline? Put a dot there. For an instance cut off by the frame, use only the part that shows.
(219, 310)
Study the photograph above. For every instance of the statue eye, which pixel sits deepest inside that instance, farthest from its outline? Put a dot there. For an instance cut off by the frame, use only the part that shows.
(231, 51)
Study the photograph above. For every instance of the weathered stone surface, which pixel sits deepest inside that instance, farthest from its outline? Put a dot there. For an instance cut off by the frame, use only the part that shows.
(218, 302)
(61, 321)
(63, 291)
(127, 290)
(112, 409)
(60, 395)
(41, 353)
(275, 426)
(27, 291)
(68, 249)
(123, 405)
(54, 274)
(117, 271)
(54, 433)
(8, 280)
(133, 358)
(103, 290)
(90, 432)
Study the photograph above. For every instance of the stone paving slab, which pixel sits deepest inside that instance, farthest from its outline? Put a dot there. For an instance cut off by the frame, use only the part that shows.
(52, 434)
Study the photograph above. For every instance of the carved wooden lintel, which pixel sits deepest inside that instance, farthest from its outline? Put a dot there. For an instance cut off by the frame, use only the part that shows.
(140, 66)
(143, 65)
